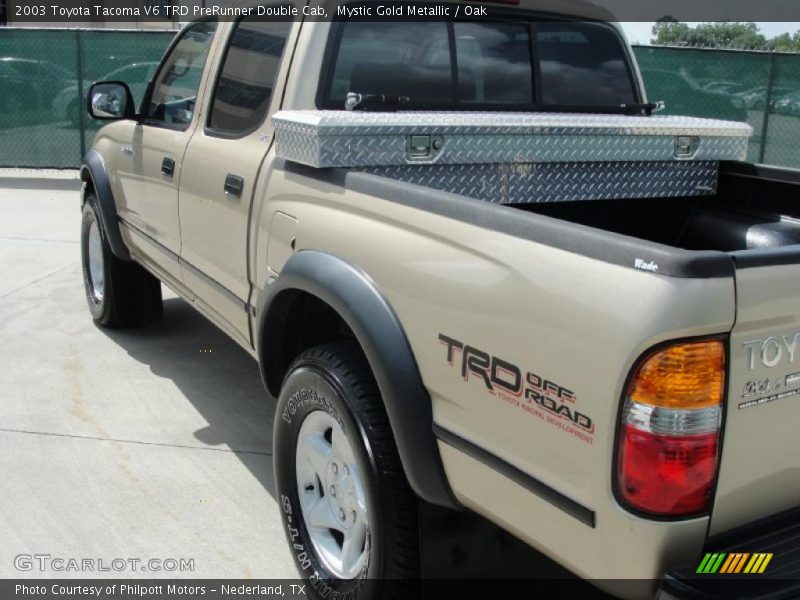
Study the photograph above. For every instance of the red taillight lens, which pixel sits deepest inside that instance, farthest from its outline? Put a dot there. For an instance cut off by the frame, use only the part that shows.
(664, 474)
(669, 435)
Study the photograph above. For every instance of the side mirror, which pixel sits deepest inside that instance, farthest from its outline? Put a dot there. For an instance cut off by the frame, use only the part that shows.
(111, 101)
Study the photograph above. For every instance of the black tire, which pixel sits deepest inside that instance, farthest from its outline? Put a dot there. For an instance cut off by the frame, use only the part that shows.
(130, 295)
(336, 378)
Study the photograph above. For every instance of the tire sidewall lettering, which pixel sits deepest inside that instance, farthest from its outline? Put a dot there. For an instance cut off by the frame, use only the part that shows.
(303, 400)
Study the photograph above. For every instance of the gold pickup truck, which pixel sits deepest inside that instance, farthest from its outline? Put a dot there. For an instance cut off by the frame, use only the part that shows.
(477, 272)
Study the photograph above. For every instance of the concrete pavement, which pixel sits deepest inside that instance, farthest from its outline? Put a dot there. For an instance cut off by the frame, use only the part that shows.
(135, 444)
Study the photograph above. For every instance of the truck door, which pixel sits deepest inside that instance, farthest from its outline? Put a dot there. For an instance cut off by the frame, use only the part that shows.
(759, 473)
(222, 164)
(150, 162)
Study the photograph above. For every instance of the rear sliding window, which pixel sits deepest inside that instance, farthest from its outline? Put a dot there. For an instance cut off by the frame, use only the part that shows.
(582, 63)
(512, 65)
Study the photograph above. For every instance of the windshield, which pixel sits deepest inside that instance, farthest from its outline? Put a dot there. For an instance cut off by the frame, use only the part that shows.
(481, 65)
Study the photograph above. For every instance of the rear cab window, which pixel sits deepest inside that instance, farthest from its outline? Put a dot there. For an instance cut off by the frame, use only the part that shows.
(244, 85)
(582, 62)
(489, 65)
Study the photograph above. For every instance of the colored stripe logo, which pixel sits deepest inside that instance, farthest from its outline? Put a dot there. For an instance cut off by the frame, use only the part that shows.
(734, 563)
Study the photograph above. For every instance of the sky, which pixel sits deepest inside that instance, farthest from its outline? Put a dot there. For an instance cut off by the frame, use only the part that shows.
(640, 32)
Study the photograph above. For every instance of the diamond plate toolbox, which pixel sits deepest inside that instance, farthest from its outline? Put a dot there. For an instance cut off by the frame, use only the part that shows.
(557, 156)
(561, 182)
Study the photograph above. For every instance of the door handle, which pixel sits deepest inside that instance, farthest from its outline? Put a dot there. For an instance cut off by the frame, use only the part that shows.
(168, 167)
(234, 185)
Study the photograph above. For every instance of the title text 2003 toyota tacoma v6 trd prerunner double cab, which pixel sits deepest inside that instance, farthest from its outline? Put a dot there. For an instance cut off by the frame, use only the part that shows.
(476, 272)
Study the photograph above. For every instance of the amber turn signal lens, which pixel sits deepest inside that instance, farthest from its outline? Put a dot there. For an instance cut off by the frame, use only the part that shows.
(690, 375)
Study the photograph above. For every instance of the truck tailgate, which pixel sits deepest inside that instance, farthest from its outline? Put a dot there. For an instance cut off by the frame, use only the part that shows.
(760, 463)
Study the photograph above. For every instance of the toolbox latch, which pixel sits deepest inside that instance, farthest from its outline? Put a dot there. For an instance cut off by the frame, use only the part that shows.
(685, 146)
(423, 147)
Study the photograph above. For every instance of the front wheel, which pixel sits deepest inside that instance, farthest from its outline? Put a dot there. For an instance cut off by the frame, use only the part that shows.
(119, 293)
(349, 513)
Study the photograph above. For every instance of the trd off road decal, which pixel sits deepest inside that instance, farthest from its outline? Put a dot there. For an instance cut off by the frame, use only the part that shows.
(545, 399)
(756, 390)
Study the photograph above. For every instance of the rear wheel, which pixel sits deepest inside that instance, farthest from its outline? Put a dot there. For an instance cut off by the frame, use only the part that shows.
(349, 513)
(119, 293)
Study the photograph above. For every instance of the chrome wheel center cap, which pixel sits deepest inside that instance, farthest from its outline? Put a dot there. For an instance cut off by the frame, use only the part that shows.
(96, 270)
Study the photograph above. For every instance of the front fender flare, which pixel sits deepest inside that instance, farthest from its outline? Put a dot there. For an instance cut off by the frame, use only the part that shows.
(94, 167)
(354, 296)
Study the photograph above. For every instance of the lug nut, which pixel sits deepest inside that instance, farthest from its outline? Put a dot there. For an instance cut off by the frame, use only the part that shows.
(341, 514)
(333, 491)
(353, 515)
(335, 468)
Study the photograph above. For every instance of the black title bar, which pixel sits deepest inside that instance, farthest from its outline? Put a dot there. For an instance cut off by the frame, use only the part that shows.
(132, 12)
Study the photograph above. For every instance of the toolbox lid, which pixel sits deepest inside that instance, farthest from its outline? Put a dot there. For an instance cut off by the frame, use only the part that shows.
(332, 138)
(342, 122)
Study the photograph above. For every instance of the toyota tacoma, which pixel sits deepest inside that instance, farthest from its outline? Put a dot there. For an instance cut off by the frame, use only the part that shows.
(477, 272)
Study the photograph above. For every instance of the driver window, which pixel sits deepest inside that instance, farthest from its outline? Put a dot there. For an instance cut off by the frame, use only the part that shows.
(174, 95)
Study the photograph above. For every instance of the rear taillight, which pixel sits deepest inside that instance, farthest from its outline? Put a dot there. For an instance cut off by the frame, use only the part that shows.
(669, 434)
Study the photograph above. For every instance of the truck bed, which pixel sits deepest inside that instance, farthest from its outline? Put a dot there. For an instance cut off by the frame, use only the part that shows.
(754, 219)
(747, 232)
(538, 283)
(754, 208)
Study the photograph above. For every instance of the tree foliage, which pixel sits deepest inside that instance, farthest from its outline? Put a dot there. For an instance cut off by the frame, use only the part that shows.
(787, 42)
(669, 31)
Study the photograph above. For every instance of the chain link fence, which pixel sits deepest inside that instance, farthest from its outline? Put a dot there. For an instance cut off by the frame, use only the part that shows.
(45, 74)
(762, 88)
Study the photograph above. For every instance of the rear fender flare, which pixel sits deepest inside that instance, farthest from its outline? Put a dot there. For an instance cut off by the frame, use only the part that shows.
(354, 296)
